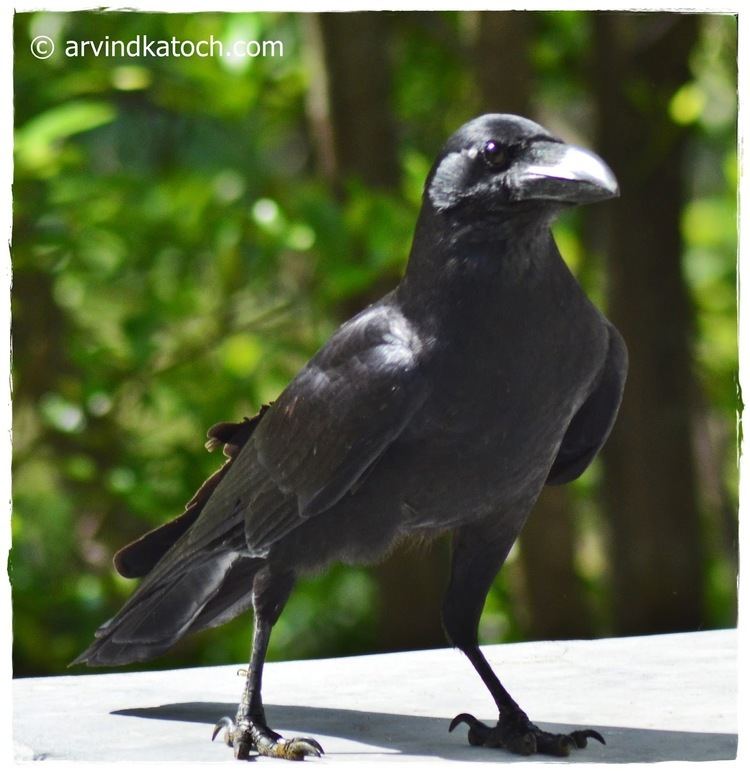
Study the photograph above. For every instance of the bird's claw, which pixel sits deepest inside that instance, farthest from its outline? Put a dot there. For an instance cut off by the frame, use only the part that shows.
(517, 734)
(298, 748)
(581, 737)
(246, 737)
(226, 723)
(238, 737)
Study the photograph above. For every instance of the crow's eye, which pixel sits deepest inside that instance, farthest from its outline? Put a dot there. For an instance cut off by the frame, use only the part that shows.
(496, 154)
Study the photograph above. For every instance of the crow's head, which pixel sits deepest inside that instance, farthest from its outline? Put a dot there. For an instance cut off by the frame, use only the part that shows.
(504, 162)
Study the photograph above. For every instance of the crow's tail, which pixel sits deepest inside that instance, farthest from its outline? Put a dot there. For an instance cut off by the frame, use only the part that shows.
(159, 614)
(192, 579)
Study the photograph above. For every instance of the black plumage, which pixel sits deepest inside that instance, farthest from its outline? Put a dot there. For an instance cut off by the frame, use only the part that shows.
(445, 406)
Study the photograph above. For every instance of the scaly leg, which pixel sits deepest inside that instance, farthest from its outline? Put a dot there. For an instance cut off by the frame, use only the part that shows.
(249, 731)
(477, 557)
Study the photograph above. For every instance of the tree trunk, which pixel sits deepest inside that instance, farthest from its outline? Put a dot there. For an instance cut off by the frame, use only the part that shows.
(650, 491)
(352, 100)
(503, 68)
(553, 594)
(352, 118)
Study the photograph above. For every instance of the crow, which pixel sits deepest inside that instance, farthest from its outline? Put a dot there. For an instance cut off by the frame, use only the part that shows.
(444, 407)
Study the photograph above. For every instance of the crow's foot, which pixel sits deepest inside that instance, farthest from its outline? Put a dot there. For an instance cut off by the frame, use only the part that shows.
(247, 736)
(516, 733)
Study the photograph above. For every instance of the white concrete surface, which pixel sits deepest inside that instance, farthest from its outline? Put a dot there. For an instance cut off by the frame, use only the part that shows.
(663, 698)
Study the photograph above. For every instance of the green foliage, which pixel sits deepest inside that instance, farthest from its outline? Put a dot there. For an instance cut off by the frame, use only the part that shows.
(177, 258)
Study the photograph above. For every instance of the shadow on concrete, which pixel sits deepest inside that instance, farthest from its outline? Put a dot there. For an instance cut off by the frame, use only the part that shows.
(428, 736)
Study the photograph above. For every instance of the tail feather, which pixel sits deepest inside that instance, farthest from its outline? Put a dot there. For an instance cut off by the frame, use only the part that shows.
(147, 627)
(194, 572)
(234, 597)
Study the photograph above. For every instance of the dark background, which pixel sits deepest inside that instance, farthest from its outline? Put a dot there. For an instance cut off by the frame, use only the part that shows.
(187, 232)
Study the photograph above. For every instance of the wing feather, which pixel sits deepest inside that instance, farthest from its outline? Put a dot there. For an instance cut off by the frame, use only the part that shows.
(590, 426)
(329, 426)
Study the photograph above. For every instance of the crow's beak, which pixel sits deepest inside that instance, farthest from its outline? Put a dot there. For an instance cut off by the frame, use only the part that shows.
(554, 171)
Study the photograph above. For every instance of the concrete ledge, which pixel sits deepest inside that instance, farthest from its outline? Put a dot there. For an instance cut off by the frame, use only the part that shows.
(662, 698)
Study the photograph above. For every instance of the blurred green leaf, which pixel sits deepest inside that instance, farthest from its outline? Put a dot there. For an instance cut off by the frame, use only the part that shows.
(37, 142)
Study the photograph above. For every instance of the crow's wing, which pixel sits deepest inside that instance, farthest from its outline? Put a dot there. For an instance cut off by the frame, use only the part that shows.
(293, 461)
(328, 427)
(590, 426)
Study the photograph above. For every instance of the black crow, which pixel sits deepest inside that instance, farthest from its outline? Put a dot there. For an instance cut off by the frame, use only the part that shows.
(444, 407)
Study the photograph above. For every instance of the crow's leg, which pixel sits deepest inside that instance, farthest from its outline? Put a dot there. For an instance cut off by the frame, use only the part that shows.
(249, 732)
(478, 555)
